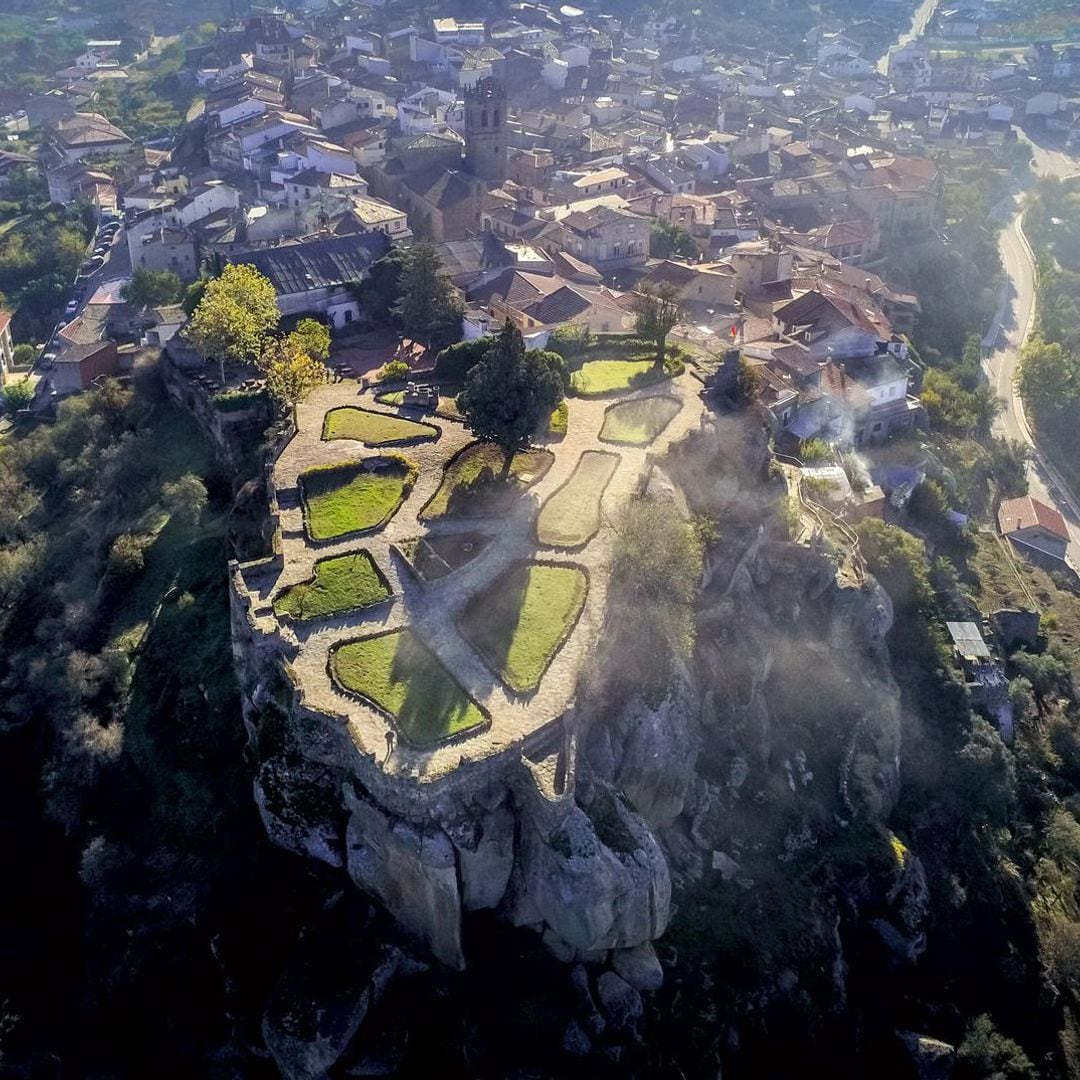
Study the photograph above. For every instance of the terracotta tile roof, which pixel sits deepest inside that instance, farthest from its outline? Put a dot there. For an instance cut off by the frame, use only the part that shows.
(1026, 512)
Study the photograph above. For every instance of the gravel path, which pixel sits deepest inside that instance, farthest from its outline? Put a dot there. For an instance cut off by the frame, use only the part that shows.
(431, 610)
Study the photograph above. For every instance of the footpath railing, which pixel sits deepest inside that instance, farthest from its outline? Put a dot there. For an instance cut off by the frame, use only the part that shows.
(825, 517)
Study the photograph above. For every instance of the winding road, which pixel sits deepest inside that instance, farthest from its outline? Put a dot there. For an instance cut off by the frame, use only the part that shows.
(1011, 326)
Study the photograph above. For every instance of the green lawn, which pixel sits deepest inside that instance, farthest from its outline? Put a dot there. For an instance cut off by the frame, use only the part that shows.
(523, 618)
(341, 583)
(597, 377)
(354, 497)
(638, 422)
(572, 515)
(398, 674)
(473, 486)
(373, 428)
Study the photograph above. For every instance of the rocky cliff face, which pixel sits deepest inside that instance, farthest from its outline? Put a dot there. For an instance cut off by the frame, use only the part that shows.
(782, 734)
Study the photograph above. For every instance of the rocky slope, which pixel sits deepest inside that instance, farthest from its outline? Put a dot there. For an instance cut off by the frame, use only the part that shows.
(780, 737)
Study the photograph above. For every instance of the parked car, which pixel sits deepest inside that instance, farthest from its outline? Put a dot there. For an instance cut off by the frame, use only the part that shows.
(73, 306)
(100, 251)
(48, 360)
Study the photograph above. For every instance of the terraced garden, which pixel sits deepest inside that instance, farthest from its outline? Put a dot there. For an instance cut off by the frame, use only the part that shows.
(598, 377)
(474, 483)
(340, 583)
(397, 674)
(433, 557)
(374, 428)
(571, 517)
(639, 422)
(356, 497)
(522, 619)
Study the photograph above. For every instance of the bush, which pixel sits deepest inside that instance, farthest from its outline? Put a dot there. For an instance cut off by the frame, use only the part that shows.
(569, 338)
(238, 400)
(126, 556)
(23, 355)
(17, 396)
(456, 361)
(394, 371)
(814, 450)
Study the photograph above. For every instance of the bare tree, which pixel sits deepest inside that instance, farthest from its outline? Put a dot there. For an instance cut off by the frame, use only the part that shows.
(657, 310)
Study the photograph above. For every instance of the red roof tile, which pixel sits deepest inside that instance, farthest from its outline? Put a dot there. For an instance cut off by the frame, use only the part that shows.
(1026, 512)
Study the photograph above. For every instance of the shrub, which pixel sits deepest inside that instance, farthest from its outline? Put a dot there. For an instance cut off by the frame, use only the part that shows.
(238, 400)
(456, 361)
(815, 450)
(394, 371)
(126, 556)
(23, 355)
(17, 396)
(569, 338)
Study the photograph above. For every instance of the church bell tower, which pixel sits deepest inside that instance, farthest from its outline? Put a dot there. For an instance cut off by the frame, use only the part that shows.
(485, 131)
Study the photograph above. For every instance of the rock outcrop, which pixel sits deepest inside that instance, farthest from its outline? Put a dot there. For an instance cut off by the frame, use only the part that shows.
(649, 753)
(411, 871)
(599, 880)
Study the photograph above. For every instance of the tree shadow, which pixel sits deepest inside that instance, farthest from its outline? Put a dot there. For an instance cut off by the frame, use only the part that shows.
(434, 700)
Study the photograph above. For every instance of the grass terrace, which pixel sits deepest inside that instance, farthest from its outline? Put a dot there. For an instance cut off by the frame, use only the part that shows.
(341, 583)
(374, 428)
(598, 377)
(433, 557)
(356, 497)
(400, 676)
(523, 618)
(473, 484)
(571, 517)
(638, 422)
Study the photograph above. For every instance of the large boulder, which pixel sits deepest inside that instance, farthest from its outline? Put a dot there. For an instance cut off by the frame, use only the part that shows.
(931, 1059)
(621, 1003)
(639, 966)
(485, 852)
(599, 881)
(411, 871)
(330, 982)
(649, 753)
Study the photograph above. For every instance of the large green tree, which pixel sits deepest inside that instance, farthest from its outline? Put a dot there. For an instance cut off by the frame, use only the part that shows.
(429, 307)
(1049, 378)
(236, 315)
(313, 337)
(150, 288)
(666, 239)
(510, 391)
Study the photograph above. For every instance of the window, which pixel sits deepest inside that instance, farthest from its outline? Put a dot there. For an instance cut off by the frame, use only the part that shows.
(348, 315)
(615, 249)
(495, 121)
(483, 118)
(699, 290)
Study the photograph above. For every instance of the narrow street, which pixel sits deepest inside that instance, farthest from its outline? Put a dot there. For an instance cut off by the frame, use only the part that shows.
(919, 22)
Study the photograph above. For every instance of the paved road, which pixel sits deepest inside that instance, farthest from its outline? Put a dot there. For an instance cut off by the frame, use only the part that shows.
(1011, 327)
(919, 22)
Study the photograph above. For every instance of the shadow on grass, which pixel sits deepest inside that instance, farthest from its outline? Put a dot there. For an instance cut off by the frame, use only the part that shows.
(432, 704)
